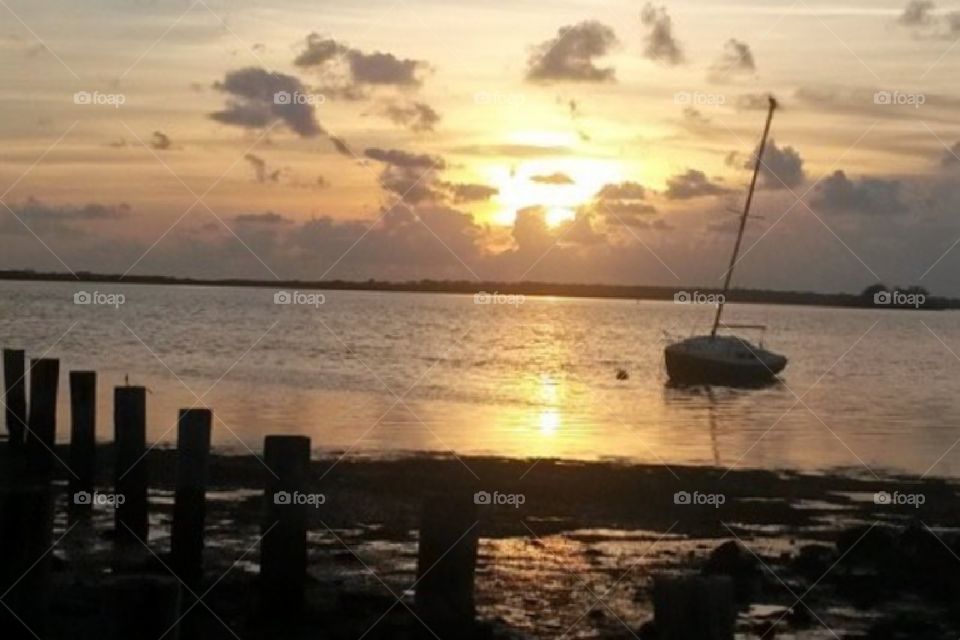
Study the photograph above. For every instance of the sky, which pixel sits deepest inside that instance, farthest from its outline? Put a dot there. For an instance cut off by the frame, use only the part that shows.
(562, 141)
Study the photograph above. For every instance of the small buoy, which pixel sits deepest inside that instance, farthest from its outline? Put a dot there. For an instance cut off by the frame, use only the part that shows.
(622, 374)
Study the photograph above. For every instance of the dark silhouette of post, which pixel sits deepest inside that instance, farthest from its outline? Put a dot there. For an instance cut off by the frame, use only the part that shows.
(694, 607)
(142, 607)
(83, 438)
(447, 559)
(189, 509)
(42, 418)
(130, 438)
(283, 548)
(15, 395)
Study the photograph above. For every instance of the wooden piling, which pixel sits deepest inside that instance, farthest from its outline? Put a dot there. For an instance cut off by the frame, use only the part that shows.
(694, 607)
(189, 510)
(83, 437)
(142, 607)
(42, 419)
(130, 437)
(447, 559)
(283, 547)
(15, 395)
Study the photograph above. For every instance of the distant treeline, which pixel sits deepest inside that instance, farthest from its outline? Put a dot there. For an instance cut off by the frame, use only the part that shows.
(872, 297)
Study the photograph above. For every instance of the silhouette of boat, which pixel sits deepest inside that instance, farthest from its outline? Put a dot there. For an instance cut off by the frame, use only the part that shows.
(727, 359)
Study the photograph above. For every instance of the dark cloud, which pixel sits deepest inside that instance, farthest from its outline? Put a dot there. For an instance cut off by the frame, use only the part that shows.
(694, 120)
(160, 141)
(556, 178)
(348, 72)
(622, 191)
(692, 184)
(571, 54)
(416, 116)
(268, 218)
(262, 173)
(660, 44)
(736, 59)
(782, 167)
(405, 159)
(252, 101)
(622, 204)
(916, 13)
(41, 217)
(341, 146)
(871, 196)
(470, 192)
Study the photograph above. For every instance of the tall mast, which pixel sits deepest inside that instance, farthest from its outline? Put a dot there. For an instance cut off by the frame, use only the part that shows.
(743, 218)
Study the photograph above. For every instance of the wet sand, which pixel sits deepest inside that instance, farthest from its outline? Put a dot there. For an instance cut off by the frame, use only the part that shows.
(576, 558)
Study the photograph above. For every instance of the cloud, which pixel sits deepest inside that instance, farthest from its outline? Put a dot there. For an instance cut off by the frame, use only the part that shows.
(622, 204)
(571, 54)
(628, 190)
(349, 72)
(916, 13)
(260, 169)
(692, 184)
(660, 44)
(399, 158)
(951, 156)
(556, 178)
(871, 196)
(470, 192)
(160, 141)
(41, 217)
(416, 116)
(782, 167)
(736, 59)
(268, 218)
(513, 150)
(341, 146)
(252, 102)
(694, 120)
(753, 102)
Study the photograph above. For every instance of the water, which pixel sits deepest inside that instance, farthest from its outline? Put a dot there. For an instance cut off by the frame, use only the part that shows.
(386, 373)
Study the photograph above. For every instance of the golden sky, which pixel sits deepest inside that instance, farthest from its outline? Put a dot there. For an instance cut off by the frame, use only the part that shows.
(564, 141)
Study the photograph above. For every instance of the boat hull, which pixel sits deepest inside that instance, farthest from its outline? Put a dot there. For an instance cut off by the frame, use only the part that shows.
(687, 368)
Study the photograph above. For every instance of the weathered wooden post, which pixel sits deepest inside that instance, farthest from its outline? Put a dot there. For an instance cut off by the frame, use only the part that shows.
(42, 420)
(83, 438)
(447, 559)
(130, 438)
(694, 607)
(142, 607)
(283, 548)
(15, 395)
(189, 509)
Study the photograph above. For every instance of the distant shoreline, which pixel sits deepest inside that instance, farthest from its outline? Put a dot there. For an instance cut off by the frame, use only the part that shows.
(526, 288)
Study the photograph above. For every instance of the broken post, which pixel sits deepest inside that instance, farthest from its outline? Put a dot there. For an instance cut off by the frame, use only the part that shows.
(447, 559)
(283, 548)
(15, 395)
(83, 438)
(130, 466)
(42, 418)
(189, 509)
(694, 607)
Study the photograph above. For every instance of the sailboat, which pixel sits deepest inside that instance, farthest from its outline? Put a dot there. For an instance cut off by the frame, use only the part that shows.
(727, 359)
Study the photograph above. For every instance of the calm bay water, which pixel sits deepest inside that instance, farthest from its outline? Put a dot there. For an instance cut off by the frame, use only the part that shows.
(386, 373)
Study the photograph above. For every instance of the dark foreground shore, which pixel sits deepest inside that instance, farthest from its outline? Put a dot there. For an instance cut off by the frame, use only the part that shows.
(566, 549)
